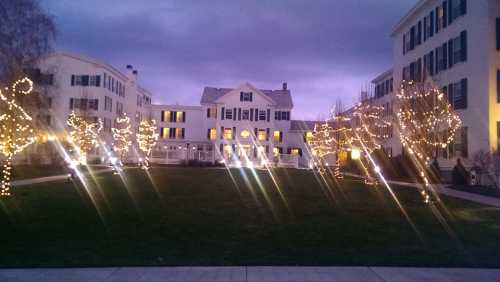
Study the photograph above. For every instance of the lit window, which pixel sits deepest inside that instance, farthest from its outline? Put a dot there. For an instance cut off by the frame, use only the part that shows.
(309, 136)
(213, 134)
(245, 133)
(166, 116)
(166, 132)
(179, 133)
(179, 117)
(294, 151)
(261, 135)
(228, 133)
(276, 151)
(277, 136)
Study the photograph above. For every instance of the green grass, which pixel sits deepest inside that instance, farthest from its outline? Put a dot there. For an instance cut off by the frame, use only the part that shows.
(195, 216)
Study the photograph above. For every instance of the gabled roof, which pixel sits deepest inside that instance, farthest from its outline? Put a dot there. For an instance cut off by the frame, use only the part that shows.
(282, 98)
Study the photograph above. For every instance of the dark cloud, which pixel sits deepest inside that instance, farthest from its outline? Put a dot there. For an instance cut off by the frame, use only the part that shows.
(323, 49)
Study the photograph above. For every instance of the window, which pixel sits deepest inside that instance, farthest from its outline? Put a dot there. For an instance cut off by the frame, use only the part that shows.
(119, 108)
(212, 133)
(212, 112)
(262, 115)
(308, 136)
(179, 133)
(458, 8)
(180, 117)
(277, 151)
(139, 100)
(294, 151)
(278, 136)
(108, 104)
(407, 42)
(165, 116)
(107, 124)
(229, 114)
(246, 96)
(439, 18)
(228, 133)
(245, 134)
(457, 93)
(165, 133)
(261, 135)
(138, 117)
(245, 114)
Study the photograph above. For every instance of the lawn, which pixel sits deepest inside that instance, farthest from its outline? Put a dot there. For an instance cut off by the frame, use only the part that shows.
(198, 216)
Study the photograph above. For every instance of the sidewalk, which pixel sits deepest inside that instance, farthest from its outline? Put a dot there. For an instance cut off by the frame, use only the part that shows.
(38, 180)
(250, 274)
(442, 189)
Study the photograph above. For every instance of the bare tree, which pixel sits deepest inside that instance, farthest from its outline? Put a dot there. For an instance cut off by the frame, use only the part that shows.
(26, 34)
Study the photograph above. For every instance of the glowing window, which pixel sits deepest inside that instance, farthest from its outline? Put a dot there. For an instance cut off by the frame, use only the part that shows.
(261, 135)
(277, 136)
(166, 116)
(213, 133)
(179, 133)
(245, 133)
(166, 132)
(179, 116)
(294, 152)
(228, 133)
(276, 151)
(309, 136)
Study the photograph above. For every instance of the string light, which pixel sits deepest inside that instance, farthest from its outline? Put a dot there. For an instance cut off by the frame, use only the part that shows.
(16, 132)
(427, 123)
(83, 134)
(147, 137)
(121, 135)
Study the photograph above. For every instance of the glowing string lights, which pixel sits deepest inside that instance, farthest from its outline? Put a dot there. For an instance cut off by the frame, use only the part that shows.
(147, 137)
(122, 135)
(83, 135)
(16, 132)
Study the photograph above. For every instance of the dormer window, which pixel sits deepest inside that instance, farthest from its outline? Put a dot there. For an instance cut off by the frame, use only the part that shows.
(246, 96)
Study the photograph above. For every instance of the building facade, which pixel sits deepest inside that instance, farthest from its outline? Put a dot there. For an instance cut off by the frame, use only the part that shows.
(454, 45)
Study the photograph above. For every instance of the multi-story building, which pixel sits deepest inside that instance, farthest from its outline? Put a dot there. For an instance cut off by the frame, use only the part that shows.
(240, 126)
(91, 89)
(454, 44)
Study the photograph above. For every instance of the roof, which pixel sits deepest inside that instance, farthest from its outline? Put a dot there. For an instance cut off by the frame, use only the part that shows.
(408, 15)
(382, 76)
(282, 98)
(176, 107)
(303, 125)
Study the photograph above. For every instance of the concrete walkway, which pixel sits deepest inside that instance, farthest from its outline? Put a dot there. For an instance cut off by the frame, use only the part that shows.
(52, 178)
(249, 274)
(442, 189)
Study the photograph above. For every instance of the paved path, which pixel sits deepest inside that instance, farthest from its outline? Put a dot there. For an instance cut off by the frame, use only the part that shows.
(249, 274)
(442, 189)
(44, 179)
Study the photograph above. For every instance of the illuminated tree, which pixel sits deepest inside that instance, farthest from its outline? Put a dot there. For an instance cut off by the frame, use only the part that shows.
(147, 137)
(369, 130)
(16, 131)
(83, 135)
(122, 135)
(427, 122)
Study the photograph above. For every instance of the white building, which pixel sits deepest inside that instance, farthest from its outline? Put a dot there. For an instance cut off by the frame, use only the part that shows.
(455, 44)
(90, 88)
(240, 126)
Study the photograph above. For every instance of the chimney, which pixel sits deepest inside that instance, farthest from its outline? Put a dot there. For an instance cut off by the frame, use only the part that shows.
(129, 67)
(131, 74)
(284, 86)
(134, 72)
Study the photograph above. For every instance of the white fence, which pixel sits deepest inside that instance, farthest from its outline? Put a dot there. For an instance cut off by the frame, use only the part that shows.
(287, 160)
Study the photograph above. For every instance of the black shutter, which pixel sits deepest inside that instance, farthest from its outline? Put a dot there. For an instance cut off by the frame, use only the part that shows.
(233, 146)
(425, 29)
(98, 80)
(173, 117)
(431, 63)
(419, 33)
(463, 88)
(424, 73)
(73, 76)
(223, 113)
(71, 103)
(412, 38)
(221, 148)
(183, 116)
(183, 131)
(208, 112)
(255, 132)
(221, 132)
(445, 14)
(498, 34)
(267, 134)
(300, 152)
(208, 134)
(463, 7)
(436, 15)
(445, 56)
(161, 132)
(404, 44)
(234, 133)
(162, 116)
(234, 113)
(498, 86)
(251, 114)
(239, 113)
(431, 19)
(463, 43)
(256, 114)
(465, 143)
(450, 53)
(241, 96)
(268, 115)
(85, 80)
(289, 151)
(251, 96)
(450, 95)
(281, 136)
(450, 11)
(436, 61)
(445, 92)
(267, 149)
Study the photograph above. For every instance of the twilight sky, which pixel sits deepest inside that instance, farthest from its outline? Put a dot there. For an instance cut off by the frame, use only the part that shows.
(324, 49)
